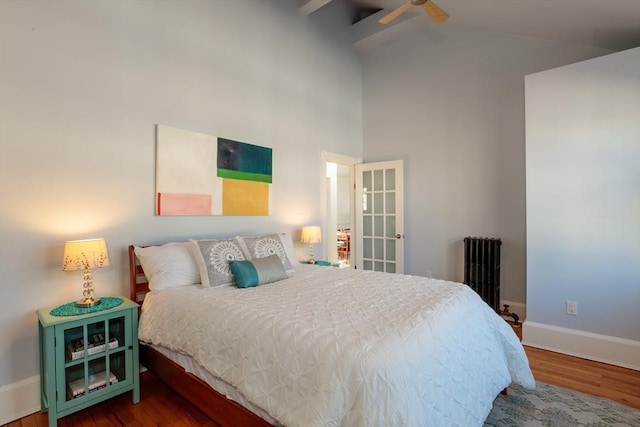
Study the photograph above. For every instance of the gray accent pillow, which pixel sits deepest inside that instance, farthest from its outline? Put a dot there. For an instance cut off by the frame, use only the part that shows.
(258, 271)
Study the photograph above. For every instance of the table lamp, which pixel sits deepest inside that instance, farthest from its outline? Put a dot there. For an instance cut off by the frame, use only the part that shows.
(311, 235)
(85, 255)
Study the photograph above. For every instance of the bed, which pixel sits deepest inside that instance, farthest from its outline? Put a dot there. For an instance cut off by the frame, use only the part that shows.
(314, 346)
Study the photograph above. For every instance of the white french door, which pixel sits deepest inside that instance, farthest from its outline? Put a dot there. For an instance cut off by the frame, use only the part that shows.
(379, 231)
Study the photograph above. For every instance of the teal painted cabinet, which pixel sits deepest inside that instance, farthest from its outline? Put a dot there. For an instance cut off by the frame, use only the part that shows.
(87, 358)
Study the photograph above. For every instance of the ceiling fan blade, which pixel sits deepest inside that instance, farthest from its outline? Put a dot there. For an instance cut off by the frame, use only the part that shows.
(438, 15)
(393, 15)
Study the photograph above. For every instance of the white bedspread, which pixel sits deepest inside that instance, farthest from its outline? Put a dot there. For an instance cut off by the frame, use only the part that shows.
(332, 347)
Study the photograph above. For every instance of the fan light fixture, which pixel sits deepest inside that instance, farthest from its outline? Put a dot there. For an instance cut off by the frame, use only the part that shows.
(85, 255)
(437, 15)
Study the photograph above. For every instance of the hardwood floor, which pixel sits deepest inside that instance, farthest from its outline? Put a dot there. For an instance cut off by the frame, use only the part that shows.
(586, 376)
(160, 406)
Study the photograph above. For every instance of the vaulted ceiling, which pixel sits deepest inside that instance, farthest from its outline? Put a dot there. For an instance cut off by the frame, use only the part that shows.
(609, 24)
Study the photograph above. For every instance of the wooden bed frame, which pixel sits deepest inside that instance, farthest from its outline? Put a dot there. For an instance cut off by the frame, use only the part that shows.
(218, 407)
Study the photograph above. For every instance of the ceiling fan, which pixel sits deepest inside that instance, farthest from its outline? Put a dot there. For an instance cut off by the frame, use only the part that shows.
(437, 15)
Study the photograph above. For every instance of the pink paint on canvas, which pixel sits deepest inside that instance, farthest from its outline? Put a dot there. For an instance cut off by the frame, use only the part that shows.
(184, 204)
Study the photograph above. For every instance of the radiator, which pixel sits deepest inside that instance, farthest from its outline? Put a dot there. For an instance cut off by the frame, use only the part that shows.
(482, 268)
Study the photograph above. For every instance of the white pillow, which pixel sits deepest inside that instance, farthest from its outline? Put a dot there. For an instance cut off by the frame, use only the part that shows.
(212, 257)
(169, 265)
(263, 246)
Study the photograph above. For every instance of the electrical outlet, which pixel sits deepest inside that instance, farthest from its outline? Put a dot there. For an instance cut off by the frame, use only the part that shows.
(572, 308)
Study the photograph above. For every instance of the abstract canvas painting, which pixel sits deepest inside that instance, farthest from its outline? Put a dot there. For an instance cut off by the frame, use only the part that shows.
(199, 174)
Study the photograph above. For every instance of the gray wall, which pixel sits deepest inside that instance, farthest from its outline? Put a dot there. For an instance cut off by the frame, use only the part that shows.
(451, 104)
(583, 195)
(82, 86)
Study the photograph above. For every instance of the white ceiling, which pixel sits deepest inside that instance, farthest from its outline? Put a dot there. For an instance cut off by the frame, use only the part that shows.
(609, 24)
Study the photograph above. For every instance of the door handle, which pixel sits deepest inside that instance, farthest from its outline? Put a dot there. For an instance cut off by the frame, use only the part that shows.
(399, 236)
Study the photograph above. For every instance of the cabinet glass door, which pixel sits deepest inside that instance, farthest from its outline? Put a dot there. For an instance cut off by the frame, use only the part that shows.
(120, 370)
(95, 357)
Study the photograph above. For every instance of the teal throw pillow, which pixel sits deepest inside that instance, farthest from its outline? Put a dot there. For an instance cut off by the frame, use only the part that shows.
(258, 271)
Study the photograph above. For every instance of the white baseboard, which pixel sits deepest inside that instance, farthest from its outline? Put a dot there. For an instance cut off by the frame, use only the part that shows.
(19, 399)
(587, 345)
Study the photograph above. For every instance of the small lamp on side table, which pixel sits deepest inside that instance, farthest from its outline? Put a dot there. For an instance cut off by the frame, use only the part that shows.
(85, 255)
(311, 235)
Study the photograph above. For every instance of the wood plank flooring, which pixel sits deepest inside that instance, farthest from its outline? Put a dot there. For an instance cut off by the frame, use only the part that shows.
(586, 376)
(160, 406)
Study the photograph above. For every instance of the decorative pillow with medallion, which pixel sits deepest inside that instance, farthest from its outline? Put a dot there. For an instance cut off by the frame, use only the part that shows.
(264, 246)
(212, 257)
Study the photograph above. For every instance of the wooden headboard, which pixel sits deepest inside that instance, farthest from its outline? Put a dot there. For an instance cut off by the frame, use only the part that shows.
(138, 283)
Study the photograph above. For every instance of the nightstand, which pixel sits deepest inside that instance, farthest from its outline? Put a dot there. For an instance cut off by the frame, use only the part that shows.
(74, 376)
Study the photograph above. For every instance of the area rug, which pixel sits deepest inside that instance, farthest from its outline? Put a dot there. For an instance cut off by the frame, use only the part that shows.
(549, 405)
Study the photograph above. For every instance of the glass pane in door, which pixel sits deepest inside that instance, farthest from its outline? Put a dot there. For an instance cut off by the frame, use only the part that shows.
(390, 179)
(390, 226)
(367, 226)
(378, 203)
(378, 180)
(390, 202)
(391, 250)
(378, 226)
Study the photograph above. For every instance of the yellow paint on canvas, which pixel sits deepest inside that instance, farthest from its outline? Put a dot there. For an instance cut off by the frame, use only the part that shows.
(245, 197)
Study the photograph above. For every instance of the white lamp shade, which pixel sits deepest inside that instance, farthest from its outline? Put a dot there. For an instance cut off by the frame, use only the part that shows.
(311, 234)
(85, 254)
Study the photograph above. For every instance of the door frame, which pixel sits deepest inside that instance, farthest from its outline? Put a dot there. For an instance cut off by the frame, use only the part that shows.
(328, 234)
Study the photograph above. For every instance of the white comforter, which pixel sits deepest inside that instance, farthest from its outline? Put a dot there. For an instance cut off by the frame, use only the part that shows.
(332, 347)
